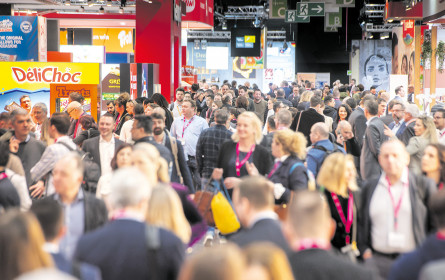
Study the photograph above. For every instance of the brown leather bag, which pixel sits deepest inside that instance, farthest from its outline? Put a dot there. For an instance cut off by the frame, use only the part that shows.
(203, 200)
(282, 209)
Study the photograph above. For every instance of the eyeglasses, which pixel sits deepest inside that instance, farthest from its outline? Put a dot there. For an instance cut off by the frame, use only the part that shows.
(438, 118)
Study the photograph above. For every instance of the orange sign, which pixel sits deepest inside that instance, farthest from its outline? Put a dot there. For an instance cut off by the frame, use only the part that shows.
(59, 94)
(115, 40)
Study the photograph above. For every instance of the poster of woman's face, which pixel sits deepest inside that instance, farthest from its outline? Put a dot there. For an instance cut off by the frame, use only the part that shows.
(375, 64)
(402, 55)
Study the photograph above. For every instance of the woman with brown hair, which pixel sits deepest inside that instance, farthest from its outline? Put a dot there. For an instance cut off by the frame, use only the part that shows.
(337, 178)
(122, 114)
(89, 130)
(21, 245)
(433, 164)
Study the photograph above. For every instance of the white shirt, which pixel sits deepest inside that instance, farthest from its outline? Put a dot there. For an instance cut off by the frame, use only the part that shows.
(396, 127)
(381, 212)
(441, 134)
(106, 151)
(125, 135)
(177, 110)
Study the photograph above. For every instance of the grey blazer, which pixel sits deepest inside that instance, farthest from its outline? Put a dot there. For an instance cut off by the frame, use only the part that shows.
(92, 146)
(374, 137)
(358, 120)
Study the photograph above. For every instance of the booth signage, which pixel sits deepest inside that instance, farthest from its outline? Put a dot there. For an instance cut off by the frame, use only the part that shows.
(277, 8)
(291, 16)
(199, 11)
(314, 9)
(115, 40)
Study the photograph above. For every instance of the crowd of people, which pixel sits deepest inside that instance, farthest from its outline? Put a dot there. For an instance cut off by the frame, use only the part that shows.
(225, 182)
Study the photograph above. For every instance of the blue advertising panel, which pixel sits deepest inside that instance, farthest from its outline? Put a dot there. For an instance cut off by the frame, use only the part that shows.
(18, 38)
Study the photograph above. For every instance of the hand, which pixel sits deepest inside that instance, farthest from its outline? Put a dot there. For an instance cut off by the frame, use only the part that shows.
(367, 254)
(217, 174)
(340, 140)
(37, 189)
(251, 169)
(231, 182)
(14, 145)
(388, 132)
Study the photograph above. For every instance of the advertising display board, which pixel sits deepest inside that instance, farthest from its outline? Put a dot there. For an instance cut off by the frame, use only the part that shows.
(35, 78)
(403, 54)
(22, 38)
(375, 64)
(115, 40)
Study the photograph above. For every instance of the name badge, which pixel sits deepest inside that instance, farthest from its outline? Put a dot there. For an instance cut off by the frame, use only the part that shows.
(396, 240)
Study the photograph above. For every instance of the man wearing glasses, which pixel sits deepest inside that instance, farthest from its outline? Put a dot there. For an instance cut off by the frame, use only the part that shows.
(75, 111)
(439, 121)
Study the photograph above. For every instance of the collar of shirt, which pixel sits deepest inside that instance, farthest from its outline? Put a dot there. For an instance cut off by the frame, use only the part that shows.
(128, 215)
(410, 121)
(80, 197)
(282, 159)
(268, 214)
(27, 138)
(369, 121)
(442, 133)
(51, 248)
(403, 179)
(102, 140)
(64, 138)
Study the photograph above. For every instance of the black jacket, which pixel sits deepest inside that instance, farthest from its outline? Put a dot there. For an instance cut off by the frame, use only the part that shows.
(308, 119)
(92, 146)
(330, 112)
(163, 151)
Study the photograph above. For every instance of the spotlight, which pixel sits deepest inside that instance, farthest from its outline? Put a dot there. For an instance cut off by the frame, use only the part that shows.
(384, 35)
(109, 3)
(203, 44)
(369, 36)
(256, 22)
(285, 45)
(67, 2)
(224, 25)
(101, 10)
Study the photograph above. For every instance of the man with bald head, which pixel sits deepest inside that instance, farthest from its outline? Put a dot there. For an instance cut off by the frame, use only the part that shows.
(346, 139)
(75, 111)
(394, 215)
(321, 147)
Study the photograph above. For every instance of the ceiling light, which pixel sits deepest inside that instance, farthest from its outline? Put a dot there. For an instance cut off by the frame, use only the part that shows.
(256, 22)
(384, 35)
(67, 2)
(109, 3)
(90, 3)
(101, 10)
(224, 25)
(369, 36)
(390, 20)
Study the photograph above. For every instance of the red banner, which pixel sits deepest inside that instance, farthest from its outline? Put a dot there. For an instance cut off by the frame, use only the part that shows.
(199, 11)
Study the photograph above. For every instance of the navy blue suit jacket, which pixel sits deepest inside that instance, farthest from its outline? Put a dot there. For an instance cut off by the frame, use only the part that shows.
(266, 230)
(87, 271)
(401, 129)
(120, 251)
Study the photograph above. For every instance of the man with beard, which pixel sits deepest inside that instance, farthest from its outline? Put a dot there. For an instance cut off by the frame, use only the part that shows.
(180, 173)
(260, 105)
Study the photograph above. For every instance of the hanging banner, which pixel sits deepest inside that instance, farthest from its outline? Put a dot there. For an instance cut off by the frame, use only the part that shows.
(375, 64)
(115, 40)
(403, 53)
(19, 38)
(256, 62)
(277, 8)
(408, 32)
(199, 11)
(34, 79)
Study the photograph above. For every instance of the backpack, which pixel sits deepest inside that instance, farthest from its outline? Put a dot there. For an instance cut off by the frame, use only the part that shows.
(91, 172)
(326, 152)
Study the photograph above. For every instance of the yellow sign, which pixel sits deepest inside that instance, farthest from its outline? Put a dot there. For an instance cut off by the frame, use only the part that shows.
(249, 39)
(115, 40)
(37, 75)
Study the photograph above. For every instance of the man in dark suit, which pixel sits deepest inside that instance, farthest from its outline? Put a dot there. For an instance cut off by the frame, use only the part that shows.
(253, 200)
(142, 132)
(304, 120)
(83, 211)
(387, 119)
(128, 248)
(50, 214)
(383, 232)
(374, 137)
(103, 147)
(411, 115)
(309, 229)
(398, 126)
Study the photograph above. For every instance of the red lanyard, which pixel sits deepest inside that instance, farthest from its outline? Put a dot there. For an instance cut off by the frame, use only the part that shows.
(275, 167)
(238, 163)
(306, 244)
(395, 206)
(117, 122)
(185, 126)
(347, 222)
(3, 176)
(440, 186)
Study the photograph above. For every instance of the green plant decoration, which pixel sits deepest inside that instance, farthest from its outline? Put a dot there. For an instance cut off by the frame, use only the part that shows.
(426, 50)
(440, 54)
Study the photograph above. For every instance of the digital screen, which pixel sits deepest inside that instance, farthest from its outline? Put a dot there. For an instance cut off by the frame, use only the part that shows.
(246, 42)
(217, 58)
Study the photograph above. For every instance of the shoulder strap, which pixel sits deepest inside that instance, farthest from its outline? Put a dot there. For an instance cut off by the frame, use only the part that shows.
(88, 131)
(299, 118)
(66, 145)
(75, 270)
(172, 106)
(174, 145)
(295, 166)
(153, 243)
(321, 148)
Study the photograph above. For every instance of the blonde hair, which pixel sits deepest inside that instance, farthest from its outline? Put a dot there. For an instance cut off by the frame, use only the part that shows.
(430, 129)
(216, 263)
(165, 210)
(256, 123)
(271, 258)
(21, 245)
(156, 167)
(293, 143)
(332, 174)
(306, 96)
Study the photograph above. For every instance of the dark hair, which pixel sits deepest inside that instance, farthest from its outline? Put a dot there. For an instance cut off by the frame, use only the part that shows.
(195, 87)
(211, 96)
(242, 87)
(180, 89)
(113, 162)
(437, 208)
(271, 122)
(61, 121)
(351, 102)
(233, 83)
(348, 112)
(316, 100)
(221, 116)
(4, 153)
(441, 110)
(138, 109)
(380, 100)
(144, 122)
(49, 213)
(87, 122)
(140, 100)
(280, 93)
(380, 57)
(215, 85)
(395, 42)
(157, 116)
(277, 105)
(160, 100)
(23, 96)
(110, 102)
(372, 106)
(121, 101)
(242, 102)
(75, 96)
(398, 89)
(372, 87)
(360, 87)
(328, 99)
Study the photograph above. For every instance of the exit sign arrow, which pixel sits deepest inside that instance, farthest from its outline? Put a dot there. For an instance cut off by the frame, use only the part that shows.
(313, 9)
(318, 9)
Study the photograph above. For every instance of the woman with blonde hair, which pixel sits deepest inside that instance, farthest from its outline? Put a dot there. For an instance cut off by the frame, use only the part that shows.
(305, 100)
(237, 154)
(288, 173)
(148, 160)
(337, 178)
(265, 261)
(21, 245)
(215, 263)
(165, 210)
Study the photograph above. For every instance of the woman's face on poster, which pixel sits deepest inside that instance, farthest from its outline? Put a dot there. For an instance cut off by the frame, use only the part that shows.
(376, 70)
(404, 66)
